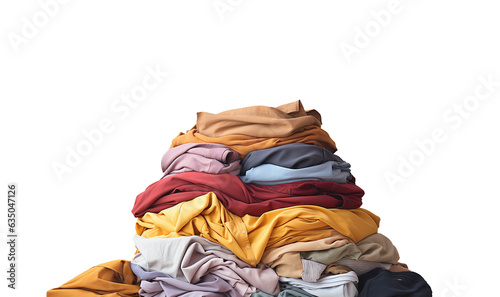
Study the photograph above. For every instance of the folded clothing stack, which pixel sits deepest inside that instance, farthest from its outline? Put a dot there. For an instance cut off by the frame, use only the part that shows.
(254, 202)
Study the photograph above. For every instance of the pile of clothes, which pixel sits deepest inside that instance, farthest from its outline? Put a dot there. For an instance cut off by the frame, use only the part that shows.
(254, 202)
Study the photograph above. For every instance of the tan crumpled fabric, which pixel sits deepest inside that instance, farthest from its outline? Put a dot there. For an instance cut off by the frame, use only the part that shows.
(258, 121)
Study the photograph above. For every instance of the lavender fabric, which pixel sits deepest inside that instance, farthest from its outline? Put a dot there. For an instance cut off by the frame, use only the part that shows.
(201, 157)
(190, 258)
(159, 284)
(312, 270)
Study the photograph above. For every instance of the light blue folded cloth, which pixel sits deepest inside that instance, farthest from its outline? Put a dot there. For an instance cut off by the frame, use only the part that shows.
(269, 174)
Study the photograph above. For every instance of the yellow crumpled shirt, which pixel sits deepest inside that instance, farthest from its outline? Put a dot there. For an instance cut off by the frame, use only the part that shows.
(248, 236)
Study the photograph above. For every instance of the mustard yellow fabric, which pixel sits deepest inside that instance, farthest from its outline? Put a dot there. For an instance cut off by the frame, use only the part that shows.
(249, 236)
(110, 279)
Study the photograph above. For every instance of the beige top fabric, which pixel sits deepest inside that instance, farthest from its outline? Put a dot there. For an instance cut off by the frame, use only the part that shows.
(286, 260)
(258, 121)
(334, 240)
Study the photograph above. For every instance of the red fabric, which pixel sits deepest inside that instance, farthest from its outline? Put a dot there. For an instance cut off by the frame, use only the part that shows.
(240, 198)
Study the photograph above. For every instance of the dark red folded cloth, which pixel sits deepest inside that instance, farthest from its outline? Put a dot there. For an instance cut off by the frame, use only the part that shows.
(240, 198)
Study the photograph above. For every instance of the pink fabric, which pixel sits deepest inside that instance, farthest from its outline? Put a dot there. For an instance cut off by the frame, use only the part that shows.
(201, 157)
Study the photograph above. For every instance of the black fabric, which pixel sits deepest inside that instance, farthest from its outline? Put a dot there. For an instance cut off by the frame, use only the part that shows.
(384, 283)
(293, 155)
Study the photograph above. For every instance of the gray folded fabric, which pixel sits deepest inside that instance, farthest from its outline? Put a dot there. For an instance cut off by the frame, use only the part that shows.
(286, 291)
(293, 155)
(361, 267)
(343, 285)
(350, 251)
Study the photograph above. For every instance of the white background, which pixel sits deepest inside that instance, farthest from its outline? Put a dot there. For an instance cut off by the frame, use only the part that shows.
(401, 84)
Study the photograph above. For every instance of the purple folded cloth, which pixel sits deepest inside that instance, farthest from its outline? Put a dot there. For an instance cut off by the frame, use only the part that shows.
(211, 158)
(159, 284)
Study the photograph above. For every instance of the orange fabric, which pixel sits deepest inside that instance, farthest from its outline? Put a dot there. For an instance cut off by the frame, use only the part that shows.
(244, 144)
(111, 279)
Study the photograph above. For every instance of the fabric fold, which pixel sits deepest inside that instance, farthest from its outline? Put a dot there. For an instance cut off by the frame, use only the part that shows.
(190, 258)
(244, 144)
(292, 155)
(383, 283)
(270, 174)
(342, 285)
(159, 284)
(241, 198)
(111, 279)
(200, 157)
(373, 251)
(258, 121)
(248, 236)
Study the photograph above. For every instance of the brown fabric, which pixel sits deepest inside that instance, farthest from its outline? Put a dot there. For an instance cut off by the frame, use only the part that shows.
(373, 248)
(295, 109)
(289, 265)
(399, 267)
(258, 121)
(336, 269)
(286, 260)
(378, 248)
(244, 144)
(333, 241)
(111, 279)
